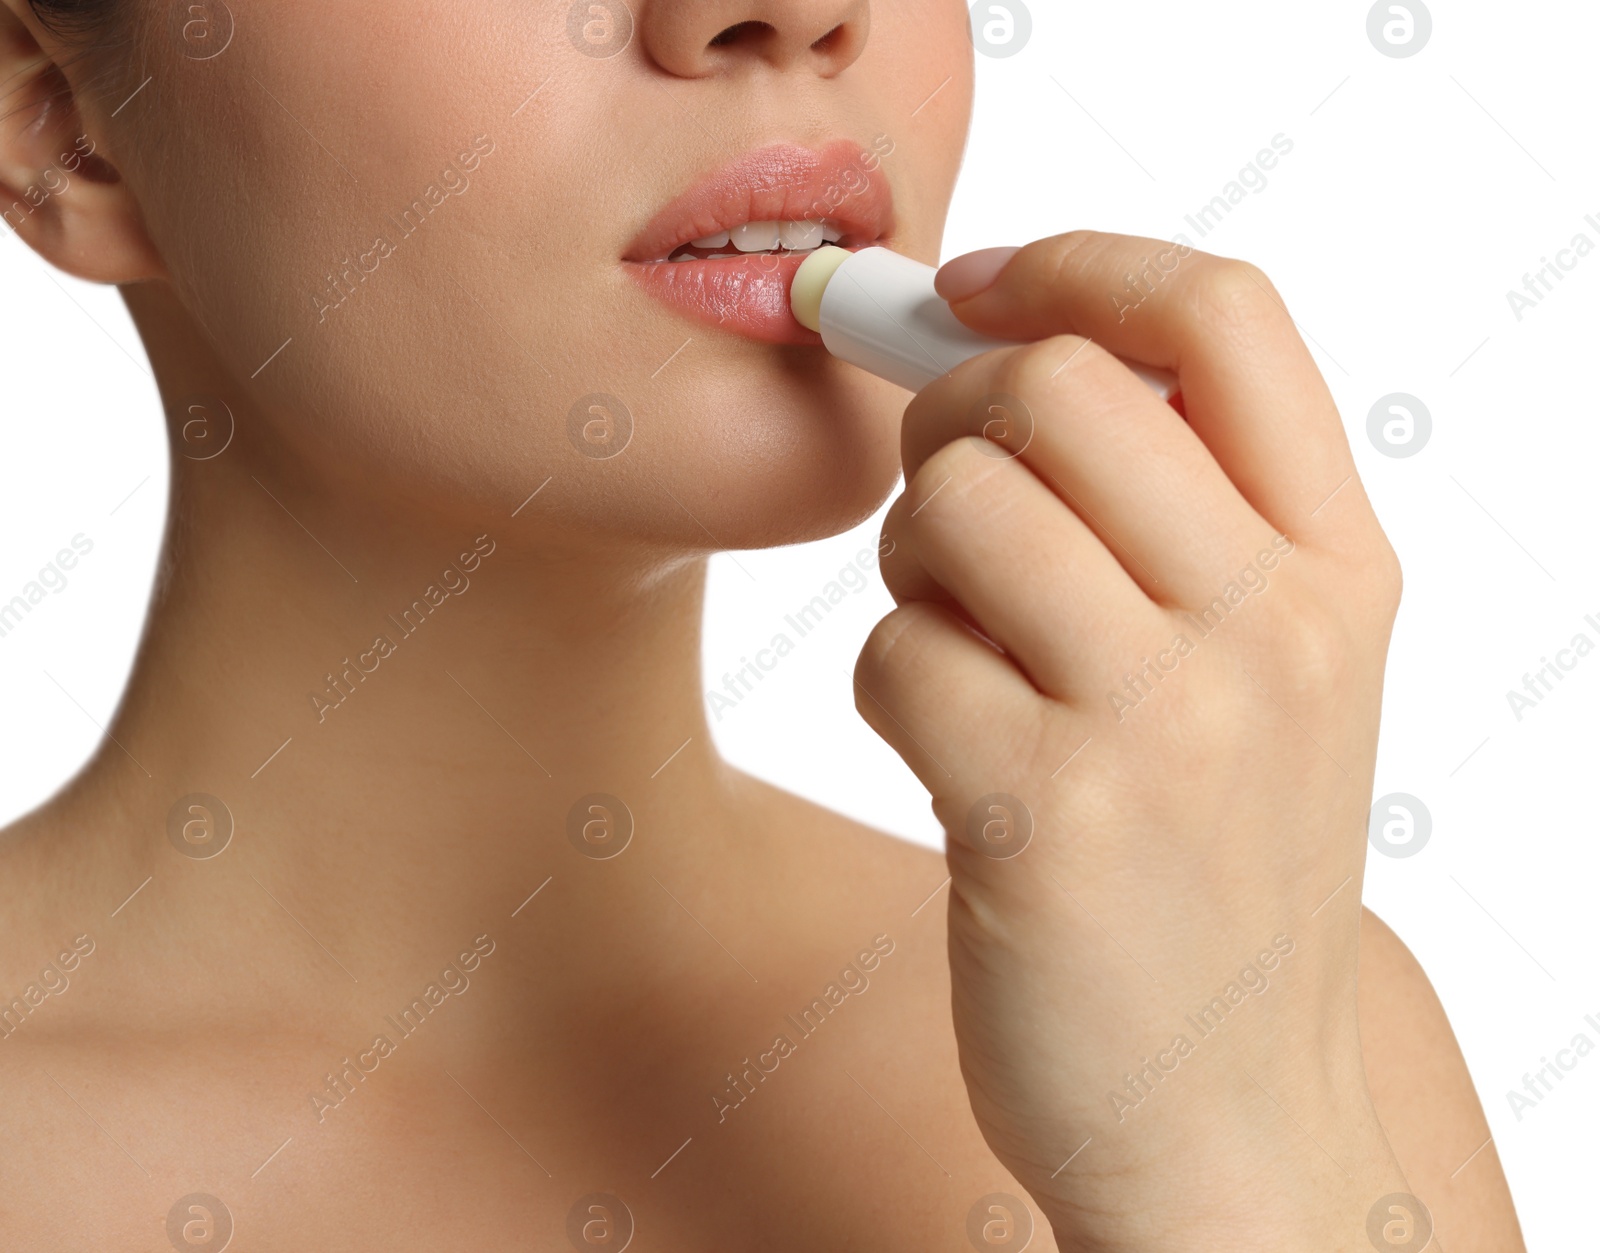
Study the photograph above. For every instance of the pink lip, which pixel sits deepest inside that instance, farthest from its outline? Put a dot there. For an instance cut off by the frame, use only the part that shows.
(781, 183)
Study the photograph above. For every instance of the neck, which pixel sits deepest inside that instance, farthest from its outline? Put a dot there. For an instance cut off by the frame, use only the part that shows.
(399, 709)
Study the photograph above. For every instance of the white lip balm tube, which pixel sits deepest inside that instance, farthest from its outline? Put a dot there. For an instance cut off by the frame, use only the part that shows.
(878, 310)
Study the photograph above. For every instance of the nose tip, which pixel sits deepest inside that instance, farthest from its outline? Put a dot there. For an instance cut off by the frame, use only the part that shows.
(706, 37)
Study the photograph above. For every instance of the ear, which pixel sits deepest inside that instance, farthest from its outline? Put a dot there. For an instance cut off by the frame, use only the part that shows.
(59, 189)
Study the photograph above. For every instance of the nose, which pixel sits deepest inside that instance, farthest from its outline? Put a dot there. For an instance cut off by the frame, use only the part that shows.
(701, 38)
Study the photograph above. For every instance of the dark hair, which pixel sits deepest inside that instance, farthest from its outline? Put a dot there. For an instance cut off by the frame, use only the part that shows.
(96, 35)
(76, 19)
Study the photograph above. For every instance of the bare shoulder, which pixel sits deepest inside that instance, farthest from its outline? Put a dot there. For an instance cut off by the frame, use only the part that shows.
(53, 945)
(1417, 1074)
(814, 833)
(835, 881)
(43, 933)
(842, 877)
(1425, 1098)
(865, 1024)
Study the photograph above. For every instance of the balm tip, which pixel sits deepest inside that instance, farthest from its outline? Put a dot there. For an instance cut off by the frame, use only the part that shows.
(811, 280)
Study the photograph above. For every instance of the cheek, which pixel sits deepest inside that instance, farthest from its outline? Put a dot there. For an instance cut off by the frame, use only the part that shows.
(364, 201)
(922, 80)
(403, 327)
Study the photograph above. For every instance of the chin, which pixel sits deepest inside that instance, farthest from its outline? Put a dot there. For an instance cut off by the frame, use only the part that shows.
(764, 461)
(801, 503)
(810, 454)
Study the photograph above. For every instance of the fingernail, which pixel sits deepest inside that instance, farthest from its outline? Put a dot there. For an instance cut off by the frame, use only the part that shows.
(968, 275)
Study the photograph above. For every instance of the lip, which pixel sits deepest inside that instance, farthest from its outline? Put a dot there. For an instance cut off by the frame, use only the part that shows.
(842, 182)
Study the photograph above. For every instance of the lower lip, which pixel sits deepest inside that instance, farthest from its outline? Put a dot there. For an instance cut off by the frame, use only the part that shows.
(746, 295)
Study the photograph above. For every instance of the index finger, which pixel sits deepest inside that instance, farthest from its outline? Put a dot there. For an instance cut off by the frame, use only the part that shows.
(1251, 390)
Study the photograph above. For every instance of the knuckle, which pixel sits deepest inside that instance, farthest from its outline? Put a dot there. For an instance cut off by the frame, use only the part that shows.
(895, 635)
(1022, 374)
(1036, 369)
(1061, 249)
(1369, 570)
(1387, 577)
(1314, 657)
(1028, 370)
(953, 470)
(1235, 297)
(905, 577)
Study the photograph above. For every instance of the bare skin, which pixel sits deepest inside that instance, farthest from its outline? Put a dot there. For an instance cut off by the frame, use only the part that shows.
(599, 1059)
(612, 1002)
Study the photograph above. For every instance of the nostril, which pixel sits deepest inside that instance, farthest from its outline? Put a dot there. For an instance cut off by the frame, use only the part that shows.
(831, 40)
(740, 31)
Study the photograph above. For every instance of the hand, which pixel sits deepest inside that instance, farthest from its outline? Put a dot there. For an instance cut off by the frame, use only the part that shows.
(1138, 662)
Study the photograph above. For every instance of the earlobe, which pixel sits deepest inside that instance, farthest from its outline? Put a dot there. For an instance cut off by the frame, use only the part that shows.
(58, 190)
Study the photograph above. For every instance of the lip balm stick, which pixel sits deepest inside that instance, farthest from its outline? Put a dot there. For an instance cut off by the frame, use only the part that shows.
(878, 310)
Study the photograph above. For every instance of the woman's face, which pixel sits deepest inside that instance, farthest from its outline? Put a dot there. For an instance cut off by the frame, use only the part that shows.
(422, 236)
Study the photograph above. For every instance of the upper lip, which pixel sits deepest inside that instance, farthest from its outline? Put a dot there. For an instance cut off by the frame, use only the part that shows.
(783, 182)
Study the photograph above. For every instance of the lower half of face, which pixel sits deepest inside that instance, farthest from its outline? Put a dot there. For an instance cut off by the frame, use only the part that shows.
(446, 250)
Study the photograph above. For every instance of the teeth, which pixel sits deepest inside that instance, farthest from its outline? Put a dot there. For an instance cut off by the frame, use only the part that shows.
(755, 236)
(801, 236)
(806, 236)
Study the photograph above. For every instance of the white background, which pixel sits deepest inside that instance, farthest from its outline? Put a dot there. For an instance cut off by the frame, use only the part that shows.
(1419, 191)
